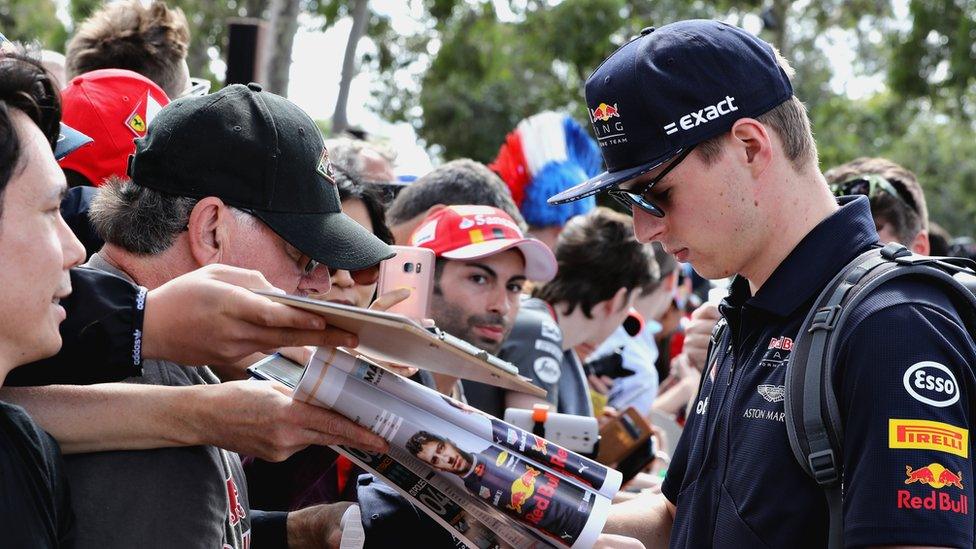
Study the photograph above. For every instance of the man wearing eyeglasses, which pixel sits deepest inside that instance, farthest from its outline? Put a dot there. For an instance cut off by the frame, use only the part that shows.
(238, 178)
(707, 145)
(897, 199)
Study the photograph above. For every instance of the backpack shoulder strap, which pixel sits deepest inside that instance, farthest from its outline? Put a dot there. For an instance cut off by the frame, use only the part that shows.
(813, 420)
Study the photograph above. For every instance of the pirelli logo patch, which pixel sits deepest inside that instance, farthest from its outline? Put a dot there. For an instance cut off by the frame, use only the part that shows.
(920, 434)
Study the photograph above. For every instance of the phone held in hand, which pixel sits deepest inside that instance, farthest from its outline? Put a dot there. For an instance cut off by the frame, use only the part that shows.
(412, 268)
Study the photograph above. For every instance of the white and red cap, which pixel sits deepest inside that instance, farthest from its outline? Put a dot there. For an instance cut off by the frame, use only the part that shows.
(473, 232)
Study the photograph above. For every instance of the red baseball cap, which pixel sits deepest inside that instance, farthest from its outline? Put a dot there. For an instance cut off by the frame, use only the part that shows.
(114, 107)
(472, 232)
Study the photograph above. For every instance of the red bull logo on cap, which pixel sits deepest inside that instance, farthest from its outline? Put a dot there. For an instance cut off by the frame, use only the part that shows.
(934, 475)
(604, 112)
(523, 488)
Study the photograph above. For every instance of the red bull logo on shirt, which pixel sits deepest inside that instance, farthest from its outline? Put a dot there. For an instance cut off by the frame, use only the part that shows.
(934, 475)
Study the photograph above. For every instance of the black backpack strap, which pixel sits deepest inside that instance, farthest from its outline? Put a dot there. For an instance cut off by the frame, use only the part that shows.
(813, 420)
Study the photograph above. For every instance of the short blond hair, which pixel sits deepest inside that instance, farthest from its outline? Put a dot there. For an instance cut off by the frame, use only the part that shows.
(789, 120)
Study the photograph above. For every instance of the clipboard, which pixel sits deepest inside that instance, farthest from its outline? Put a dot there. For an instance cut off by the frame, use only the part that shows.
(396, 338)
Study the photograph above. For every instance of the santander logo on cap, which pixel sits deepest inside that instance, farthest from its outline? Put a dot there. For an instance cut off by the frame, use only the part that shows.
(473, 232)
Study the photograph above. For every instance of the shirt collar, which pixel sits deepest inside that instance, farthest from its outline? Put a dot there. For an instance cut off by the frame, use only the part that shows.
(820, 255)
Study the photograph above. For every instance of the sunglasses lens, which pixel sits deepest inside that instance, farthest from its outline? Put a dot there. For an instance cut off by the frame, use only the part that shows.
(366, 276)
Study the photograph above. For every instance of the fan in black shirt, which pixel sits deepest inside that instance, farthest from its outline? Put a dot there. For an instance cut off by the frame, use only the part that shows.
(38, 249)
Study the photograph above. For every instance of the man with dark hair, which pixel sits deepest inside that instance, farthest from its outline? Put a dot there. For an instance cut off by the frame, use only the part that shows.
(714, 155)
(177, 214)
(639, 351)
(897, 200)
(456, 182)
(151, 40)
(439, 452)
(601, 269)
(38, 250)
(483, 261)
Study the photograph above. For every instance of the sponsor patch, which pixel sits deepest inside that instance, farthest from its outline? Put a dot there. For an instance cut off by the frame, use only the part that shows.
(551, 331)
(934, 475)
(484, 492)
(920, 434)
(772, 393)
(931, 383)
(324, 167)
(547, 369)
(548, 347)
(607, 124)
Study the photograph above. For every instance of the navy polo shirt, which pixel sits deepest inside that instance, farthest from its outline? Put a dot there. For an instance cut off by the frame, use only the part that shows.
(903, 380)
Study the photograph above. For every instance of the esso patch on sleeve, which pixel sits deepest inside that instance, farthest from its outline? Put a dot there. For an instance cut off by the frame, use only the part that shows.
(931, 383)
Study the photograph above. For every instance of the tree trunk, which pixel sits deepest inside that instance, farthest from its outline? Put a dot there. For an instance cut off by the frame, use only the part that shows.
(360, 16)
(283, 24)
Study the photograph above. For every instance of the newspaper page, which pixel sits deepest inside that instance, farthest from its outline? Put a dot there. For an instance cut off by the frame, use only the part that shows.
(563, 510)
(586, 472)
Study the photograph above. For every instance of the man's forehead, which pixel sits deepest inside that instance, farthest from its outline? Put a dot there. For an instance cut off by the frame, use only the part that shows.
(46, 180)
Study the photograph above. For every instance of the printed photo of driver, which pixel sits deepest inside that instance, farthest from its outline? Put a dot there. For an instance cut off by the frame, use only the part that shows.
(511, 484)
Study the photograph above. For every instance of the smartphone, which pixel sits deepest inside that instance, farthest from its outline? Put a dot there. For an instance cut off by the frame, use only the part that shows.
(413, 268)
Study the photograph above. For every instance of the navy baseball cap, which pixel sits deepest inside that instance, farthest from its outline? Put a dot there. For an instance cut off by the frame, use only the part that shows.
(671, 88)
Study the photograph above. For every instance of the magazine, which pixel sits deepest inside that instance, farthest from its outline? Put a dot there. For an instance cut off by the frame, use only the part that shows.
(489, 483)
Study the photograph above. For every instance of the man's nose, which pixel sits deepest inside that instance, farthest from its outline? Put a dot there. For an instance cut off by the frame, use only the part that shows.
(343, 279)
(647, 228)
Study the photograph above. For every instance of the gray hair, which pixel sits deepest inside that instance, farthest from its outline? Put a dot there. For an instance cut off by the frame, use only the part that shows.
(141, 220)
(346, 153)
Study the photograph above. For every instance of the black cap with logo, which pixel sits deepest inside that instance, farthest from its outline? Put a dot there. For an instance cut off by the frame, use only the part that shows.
(261, 153)
(671, 88)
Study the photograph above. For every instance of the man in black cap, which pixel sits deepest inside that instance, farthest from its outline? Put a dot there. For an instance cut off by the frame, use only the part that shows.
(705, 142)
(240, 178)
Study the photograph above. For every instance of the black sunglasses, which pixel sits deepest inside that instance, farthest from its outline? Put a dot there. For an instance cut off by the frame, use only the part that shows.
(637, 197)
(869, 185)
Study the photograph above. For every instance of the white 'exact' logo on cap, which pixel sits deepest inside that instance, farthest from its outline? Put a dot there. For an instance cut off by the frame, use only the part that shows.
(701, 116)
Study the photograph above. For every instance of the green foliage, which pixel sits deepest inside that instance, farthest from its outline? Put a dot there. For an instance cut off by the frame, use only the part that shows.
(32, 21)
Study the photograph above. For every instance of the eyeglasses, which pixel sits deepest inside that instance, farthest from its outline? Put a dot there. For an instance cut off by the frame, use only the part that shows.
(196, 87)
(869, 185)
(637, 197)
(308, 266)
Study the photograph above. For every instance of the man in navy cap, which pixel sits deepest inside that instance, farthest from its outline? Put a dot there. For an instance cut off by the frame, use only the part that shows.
(706, 143)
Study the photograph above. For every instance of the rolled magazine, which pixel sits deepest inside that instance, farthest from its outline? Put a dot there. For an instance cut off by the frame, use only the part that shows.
(557, 493)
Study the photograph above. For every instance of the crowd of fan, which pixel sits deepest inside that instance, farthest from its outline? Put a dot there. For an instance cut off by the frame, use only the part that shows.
(135, 371)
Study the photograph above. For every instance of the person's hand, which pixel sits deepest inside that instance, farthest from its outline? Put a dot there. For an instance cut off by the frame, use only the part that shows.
(608, 414)
(698, 333)
(383, 303)
(209, 316)
(259, 418)
(613, 541)
(317, 526)
(600, 384)
(682, 368)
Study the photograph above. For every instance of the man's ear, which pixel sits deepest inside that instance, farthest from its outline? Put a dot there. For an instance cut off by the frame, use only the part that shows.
(920, 244)
(753, 144)
(619, 300)
(207, 230)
